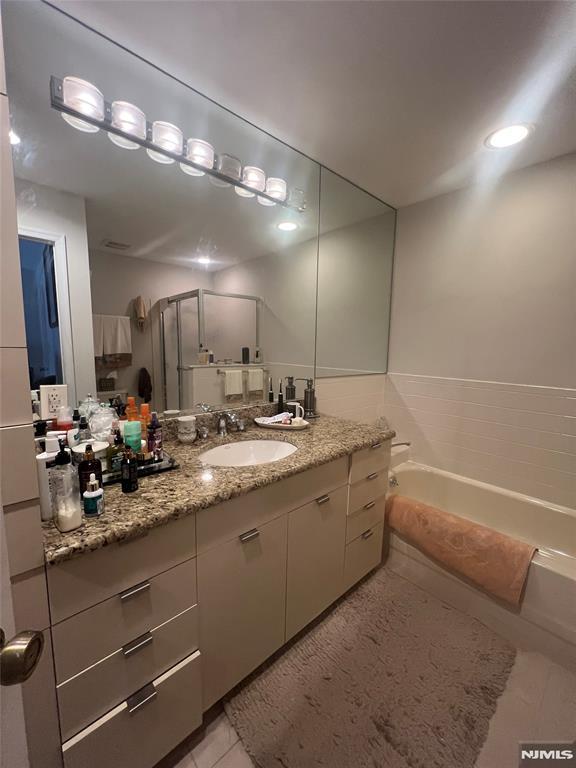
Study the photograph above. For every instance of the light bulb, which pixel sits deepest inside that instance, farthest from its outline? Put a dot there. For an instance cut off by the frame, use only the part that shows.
(507, 137)
(287, 226)
(167, 136)
(229, 166)
(201, 153)
(129, 119)
(14, 138)
(274, 188)
(204, 260)
(83, 97)
(252, 177)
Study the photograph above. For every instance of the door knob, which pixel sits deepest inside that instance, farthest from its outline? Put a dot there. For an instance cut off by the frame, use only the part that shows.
(19, 657)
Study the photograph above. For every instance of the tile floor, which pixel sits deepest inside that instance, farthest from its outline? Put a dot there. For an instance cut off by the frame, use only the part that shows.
(539, 703)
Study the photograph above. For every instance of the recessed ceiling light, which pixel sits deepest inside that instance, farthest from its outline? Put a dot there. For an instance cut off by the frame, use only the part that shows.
(14, 138)
(506, 137)
(287, 226)
(204, 260)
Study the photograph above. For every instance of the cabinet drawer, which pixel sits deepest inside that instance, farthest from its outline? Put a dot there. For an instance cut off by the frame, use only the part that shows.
(373, 459)
(316, 540)
(102, 686)
(91, 635)
(362, 555)
(228, 520)
(368, 489)
(364, 518)
(242, 597)
(86, 580)
(145, 727)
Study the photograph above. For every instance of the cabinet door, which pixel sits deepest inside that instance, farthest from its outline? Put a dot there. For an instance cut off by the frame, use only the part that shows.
(316, 544)
(242, 600)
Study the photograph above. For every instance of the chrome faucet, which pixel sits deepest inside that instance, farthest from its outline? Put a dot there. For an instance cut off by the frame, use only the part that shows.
(226, 420)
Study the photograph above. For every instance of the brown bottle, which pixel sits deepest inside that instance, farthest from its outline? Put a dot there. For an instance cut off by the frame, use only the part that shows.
(89, 464)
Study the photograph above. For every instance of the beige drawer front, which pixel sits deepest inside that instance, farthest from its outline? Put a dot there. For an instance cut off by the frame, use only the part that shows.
(227, 521)
(373, 459)
(102, 686)
(171, 709)
(242, 599)
(91, 635)
(79, 583)
(364, 518)
(316, 539)
(368, 489)
(362, 555)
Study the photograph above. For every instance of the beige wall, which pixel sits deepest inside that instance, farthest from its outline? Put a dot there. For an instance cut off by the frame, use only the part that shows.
(482, 365)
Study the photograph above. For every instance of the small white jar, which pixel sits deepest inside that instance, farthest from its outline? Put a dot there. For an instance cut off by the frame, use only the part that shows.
(187, 429)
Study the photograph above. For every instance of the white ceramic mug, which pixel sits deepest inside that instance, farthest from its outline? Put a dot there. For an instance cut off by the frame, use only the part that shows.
(299, 410)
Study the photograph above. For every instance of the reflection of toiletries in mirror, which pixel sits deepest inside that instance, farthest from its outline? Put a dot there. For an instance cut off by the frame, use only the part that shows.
(202, 356)
(257, 355)
(270, 390)
(93, 498)
(133, 435)
(64, 419)
(280, 397)
(83, 430)
(155, 437)
(245, 355)
(210, 357)
(290, 390)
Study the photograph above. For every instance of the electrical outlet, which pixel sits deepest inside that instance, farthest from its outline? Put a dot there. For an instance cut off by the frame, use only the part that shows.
(52, 397)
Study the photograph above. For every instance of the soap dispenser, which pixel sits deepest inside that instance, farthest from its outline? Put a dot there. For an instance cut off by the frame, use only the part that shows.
(65, 492)
(290, 389)
(309, 399)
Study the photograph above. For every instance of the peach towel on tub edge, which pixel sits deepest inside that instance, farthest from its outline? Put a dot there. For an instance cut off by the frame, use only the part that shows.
(495, 562)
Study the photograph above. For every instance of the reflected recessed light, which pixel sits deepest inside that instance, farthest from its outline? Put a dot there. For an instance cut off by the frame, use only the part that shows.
(506, 137)
(14, 138)
(204, 260)
(287, 226)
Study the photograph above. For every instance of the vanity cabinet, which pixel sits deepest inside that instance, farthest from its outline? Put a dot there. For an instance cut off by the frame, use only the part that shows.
(242, 593)
(316, 543)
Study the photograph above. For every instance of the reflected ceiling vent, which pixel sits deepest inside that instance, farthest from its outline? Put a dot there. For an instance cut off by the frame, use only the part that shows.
(115, 245)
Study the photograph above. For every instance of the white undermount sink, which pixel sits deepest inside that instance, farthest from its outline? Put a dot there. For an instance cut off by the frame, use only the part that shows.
(247, 453)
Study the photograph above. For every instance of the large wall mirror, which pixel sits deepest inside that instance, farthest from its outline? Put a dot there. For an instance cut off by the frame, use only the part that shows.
(148, 275)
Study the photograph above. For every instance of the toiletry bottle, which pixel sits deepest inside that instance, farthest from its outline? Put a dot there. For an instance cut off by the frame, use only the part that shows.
(129, 472)
(76, 418)
(133, 435)
(155, 437)
(290, 389)
(44, 462)
(210, 357)
(131, 409)
(245, 355)
(144, 417)
(84, 430)
(88, 466)
(280, 398)
(257, 355)
(270, 390)
(93, 498)
(64, 491)
(115, 451)
(64, 419)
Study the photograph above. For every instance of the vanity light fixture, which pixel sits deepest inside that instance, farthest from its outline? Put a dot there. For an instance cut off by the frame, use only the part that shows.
(166, 136)
(129, 119)
(83, 106)
(201, 153)
(252, 177)
(84, 98)
(507, 137)
(14, 138)
(204, 260)
(287, 226)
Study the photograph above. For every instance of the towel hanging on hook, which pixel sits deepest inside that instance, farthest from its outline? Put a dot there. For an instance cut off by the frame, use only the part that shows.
(140, 312)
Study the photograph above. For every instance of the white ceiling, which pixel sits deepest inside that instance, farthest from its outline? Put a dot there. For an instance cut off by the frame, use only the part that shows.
(396, 96)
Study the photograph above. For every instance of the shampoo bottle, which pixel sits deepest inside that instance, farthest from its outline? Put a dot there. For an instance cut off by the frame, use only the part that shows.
(44, 462)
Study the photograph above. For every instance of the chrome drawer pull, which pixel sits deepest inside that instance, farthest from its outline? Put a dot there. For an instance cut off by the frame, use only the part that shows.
(141, 697)
(373, 476)
(249, 535)
(370, 505)
(133, 591)
(137, 644)
(376, 445)
(322, 499)
(368, 533)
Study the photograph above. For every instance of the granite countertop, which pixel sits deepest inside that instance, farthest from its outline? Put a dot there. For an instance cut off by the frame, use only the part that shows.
(195, 486)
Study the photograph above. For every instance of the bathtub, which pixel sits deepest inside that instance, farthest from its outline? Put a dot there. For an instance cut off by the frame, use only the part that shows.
(547, 618)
